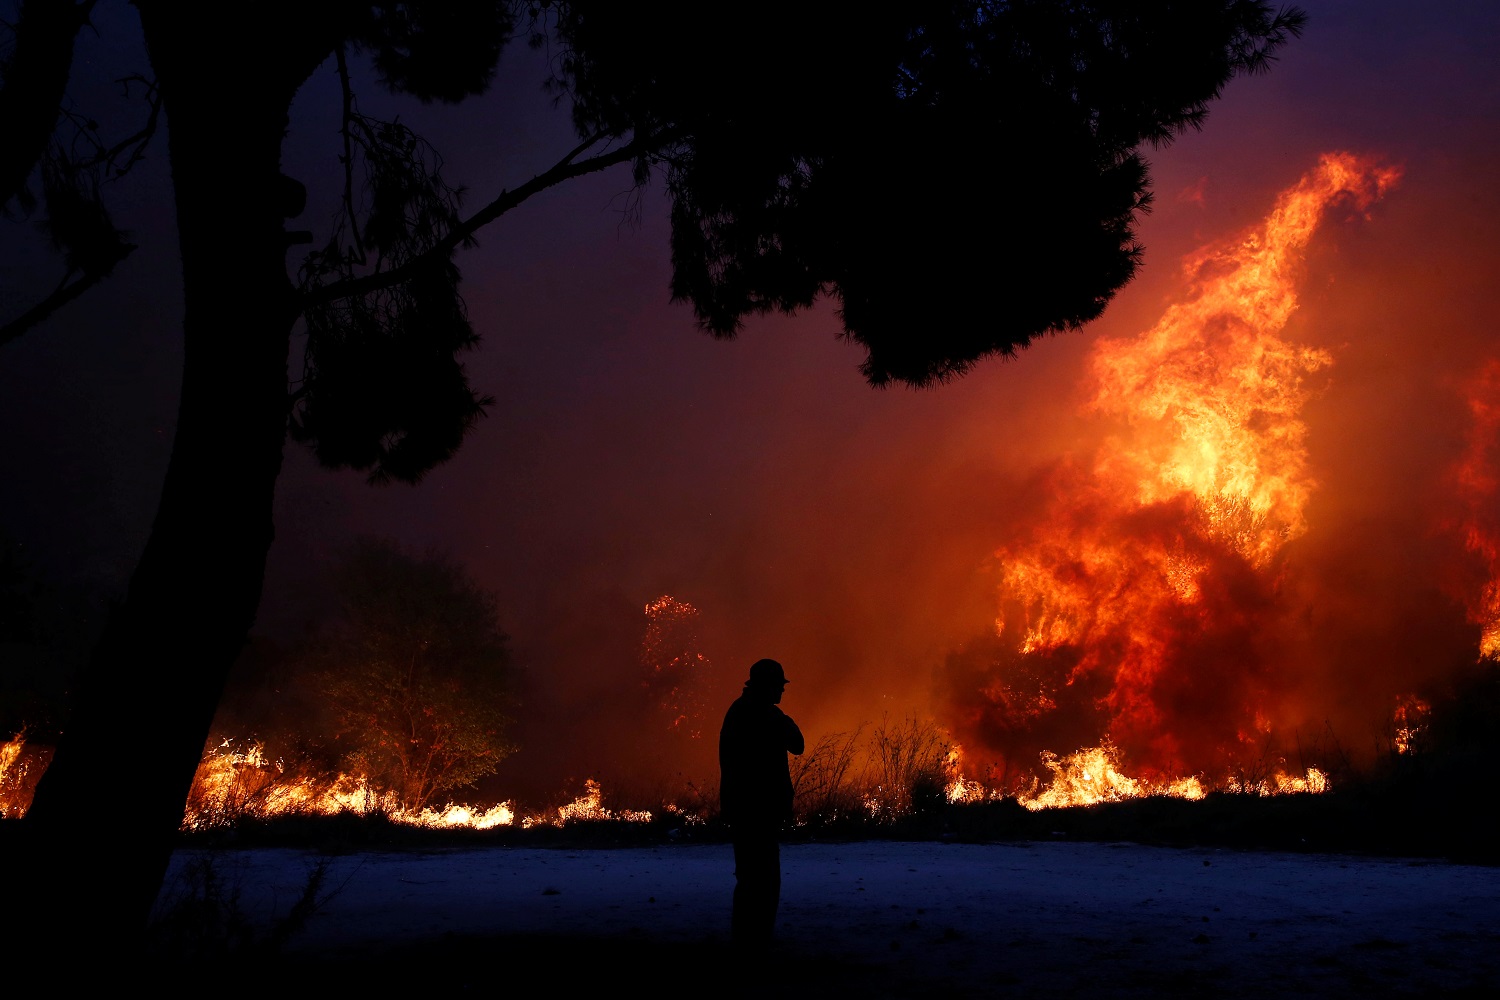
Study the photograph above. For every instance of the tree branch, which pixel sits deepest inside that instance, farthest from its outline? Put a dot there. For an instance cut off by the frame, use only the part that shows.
(348, 158)
(36, 77)
(135, 143)
(565, 169)
(65, 293)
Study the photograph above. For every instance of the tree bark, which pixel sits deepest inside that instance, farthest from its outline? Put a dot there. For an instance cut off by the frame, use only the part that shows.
(101, 829)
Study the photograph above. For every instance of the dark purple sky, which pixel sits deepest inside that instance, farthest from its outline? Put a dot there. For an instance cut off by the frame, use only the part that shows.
(843, 530)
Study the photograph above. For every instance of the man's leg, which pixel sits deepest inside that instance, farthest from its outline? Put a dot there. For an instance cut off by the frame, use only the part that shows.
(757, 886)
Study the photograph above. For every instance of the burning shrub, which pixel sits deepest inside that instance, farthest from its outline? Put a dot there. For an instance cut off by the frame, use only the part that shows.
(589, 808)
(672, 668)
(1456, 728)
(238, 781)
(897, 770)
(230, 784)
(21, 766)
(399, 699)
(824, 787)
(416, 672)
(910, 759)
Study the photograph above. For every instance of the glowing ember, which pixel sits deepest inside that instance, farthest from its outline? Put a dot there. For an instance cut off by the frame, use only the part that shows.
(1127, 616)
(672, 668)
(21, 764)
(1411, 719)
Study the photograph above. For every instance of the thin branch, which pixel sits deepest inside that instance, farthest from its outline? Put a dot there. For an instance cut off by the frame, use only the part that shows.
(65, 293)
(142, 137)
(579, 149)
(85, 133)
(564, 170)
(35, 81)
(348, 157)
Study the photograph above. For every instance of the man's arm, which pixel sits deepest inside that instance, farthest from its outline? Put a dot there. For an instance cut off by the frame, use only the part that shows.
(791, 735)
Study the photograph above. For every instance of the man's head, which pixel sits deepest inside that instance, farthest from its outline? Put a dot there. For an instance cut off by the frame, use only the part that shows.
(767, 679)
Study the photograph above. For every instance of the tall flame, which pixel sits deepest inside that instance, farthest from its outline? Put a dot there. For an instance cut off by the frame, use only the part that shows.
(1135, 593)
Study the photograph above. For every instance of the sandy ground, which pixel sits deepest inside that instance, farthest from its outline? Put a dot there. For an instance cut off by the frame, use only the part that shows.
(899, 919)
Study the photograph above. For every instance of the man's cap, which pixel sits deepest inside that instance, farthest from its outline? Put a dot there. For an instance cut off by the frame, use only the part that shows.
(766, 673)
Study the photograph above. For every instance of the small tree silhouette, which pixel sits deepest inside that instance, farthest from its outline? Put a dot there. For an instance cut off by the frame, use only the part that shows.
(416, 672)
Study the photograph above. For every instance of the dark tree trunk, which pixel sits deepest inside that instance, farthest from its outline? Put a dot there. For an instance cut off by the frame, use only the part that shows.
(101, 829)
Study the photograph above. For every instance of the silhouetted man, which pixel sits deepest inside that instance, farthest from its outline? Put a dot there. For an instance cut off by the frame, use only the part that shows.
(755, 797)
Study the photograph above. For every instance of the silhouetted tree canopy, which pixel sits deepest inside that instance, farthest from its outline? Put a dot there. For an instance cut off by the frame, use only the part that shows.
(960, 177)
(437, 50)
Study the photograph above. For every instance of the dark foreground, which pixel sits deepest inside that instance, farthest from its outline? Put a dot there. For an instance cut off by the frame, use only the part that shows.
(878, 919)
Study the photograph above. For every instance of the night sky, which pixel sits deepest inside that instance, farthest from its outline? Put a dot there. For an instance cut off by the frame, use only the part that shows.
(847, 531)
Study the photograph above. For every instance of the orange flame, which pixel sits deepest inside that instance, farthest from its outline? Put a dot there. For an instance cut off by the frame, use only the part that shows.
(21, 765)
(1093, 775)
(1135, 594)
(237, 780)
(1410, 722)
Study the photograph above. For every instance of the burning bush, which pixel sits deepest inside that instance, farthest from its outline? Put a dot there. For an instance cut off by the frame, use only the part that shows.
(672, 667)
(415, 672)
(239, 781)
(910, 758)
(881, 773)
(825, 783)
(21, 765)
